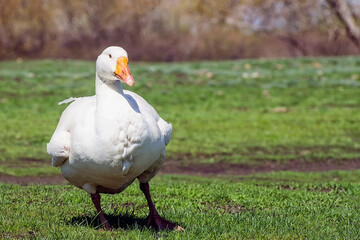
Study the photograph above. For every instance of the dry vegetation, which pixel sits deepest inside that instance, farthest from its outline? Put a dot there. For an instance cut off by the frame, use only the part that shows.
(170, 30)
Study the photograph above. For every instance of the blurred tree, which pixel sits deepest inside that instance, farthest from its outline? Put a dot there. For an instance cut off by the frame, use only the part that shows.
(347, 18)
(171, 30)
(296, 23)
(24, 26)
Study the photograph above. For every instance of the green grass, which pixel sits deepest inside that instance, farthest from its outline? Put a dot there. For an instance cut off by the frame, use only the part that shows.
(285, 206)
(246, 111)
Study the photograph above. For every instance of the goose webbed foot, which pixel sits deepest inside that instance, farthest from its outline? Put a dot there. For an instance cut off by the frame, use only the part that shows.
(154, 219)
(159, 223)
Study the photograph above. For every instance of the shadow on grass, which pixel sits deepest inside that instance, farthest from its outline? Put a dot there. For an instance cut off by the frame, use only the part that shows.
(124, 221)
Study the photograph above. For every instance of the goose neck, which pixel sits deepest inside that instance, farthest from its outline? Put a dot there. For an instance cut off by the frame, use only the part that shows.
(105, 86)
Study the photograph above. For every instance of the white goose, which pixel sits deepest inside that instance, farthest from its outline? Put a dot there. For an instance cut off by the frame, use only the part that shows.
(104, 142)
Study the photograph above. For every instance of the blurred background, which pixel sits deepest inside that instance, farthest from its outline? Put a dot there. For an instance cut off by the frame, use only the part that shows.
(174, 30)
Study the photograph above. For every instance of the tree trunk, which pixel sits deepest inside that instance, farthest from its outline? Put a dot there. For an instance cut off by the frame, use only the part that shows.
(344, 14)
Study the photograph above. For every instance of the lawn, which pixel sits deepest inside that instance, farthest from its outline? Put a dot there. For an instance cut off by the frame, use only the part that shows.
(267, 206)
(247, 111)
(250, 113)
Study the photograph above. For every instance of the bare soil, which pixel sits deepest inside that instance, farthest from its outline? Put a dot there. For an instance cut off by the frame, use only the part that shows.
(220, 168)
(173, 166)
(58, 179)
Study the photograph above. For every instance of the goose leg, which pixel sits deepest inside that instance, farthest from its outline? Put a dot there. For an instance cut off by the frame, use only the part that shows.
(154, 219)
(96, 200)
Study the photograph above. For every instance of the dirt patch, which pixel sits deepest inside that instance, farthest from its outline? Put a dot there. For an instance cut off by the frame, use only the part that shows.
(286, 187)
(175, 166)
(58, 179)
(325, 189)
(31, 160)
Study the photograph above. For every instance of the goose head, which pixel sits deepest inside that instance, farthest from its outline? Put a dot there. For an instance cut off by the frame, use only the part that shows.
(113, 64)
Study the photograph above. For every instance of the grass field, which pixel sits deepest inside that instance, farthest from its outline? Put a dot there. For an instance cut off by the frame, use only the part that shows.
(304, 206)
(251, 112)
(233, 111)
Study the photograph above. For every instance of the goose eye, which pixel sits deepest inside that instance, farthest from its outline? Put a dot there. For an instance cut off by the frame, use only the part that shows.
(110, 56)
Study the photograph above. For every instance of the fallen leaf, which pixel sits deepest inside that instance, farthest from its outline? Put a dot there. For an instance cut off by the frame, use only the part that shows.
(279, 66)
(279, 110)
(354, 77)
(209, 75)
(317, 65)
(255, 74)
(220, 93)
(19, 60)
(179, 229)
(266, 93)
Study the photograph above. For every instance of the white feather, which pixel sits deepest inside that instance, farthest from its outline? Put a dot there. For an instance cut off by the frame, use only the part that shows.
(67, 100)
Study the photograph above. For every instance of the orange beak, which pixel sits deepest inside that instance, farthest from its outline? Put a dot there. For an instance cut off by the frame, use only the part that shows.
(123, 72)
